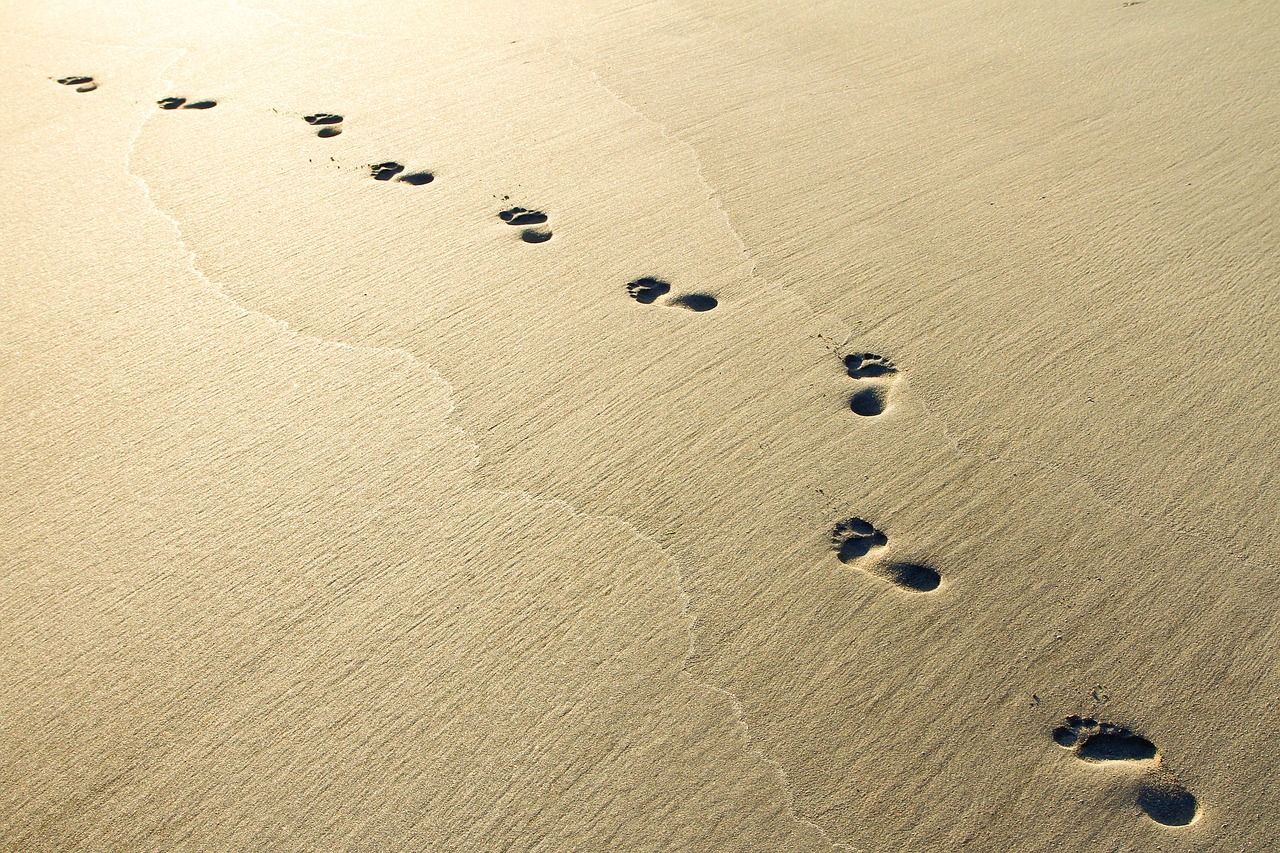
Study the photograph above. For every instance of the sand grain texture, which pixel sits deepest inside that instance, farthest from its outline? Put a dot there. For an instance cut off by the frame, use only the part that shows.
(348, 516)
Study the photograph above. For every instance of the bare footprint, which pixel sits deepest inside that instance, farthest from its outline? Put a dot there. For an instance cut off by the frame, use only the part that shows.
(855, 538)
(1160, 796)
(329, 124)
(523, 216)
(876, 374)
(868, 365)
(695, 301)
(175, 103)
(648, 290)
(81, 83)
(387, 171)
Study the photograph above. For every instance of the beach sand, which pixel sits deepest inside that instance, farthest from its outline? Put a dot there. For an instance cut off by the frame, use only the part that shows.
(924, 499)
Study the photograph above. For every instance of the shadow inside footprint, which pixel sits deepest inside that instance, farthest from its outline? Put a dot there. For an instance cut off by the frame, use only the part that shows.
(855, 538)
(647, 290)
(912, 576)
(868, 365)
(385, 171)
(1168, 803)
(535, 235)
(1095, 741)
(416, 179)
(696, 301)
(81, 83)
(1160, 795)
(329, 124)
(522, 216)
(1116, 746)
(868, 402)
(174, 103)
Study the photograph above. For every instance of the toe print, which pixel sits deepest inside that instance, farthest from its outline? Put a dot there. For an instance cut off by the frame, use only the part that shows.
(1159, 795)
(1094, 741)
(387, 171)
(876, 375)
(522, 216)
(175, 103)
(855, 538)
(648, 290)
(80, 83)
(868, 365)
(329, 124)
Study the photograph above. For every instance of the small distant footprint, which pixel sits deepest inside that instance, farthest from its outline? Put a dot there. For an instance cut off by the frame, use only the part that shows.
(389, 170)
(856, 538)
(175, 103)
(81, 84)
(876, 373)
(522, 216)
(648, 290)
(329, 124)
(1160, 796)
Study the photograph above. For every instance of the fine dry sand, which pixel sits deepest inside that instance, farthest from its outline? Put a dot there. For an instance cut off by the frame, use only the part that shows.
(346, 514)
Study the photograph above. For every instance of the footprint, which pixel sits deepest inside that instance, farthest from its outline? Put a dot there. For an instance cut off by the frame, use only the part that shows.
(855, 538)
(1160, 796)
(389, 170)
(1094, 741)
(81, 84)
(869, 402)
(868, 365)
(175, 103)
(912, 576)
(1166, 802)
(648, 290)
(521, 216)
(695, 302)
(877, 374)
(385, 171)
(330, 124)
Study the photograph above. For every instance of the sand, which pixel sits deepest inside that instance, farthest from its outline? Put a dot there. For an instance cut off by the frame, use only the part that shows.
(346, 514)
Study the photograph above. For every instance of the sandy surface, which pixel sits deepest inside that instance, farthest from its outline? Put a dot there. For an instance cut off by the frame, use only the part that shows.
(339, 517)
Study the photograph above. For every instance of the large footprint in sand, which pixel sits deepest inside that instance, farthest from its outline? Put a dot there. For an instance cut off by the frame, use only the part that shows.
(1159, 794)
(876, 375)
(855, 538)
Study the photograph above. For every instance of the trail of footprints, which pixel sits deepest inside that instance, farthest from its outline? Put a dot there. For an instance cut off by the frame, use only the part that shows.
(856, 542)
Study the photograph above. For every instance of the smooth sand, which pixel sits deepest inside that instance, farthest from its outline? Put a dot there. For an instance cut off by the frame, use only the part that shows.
(339, 518)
